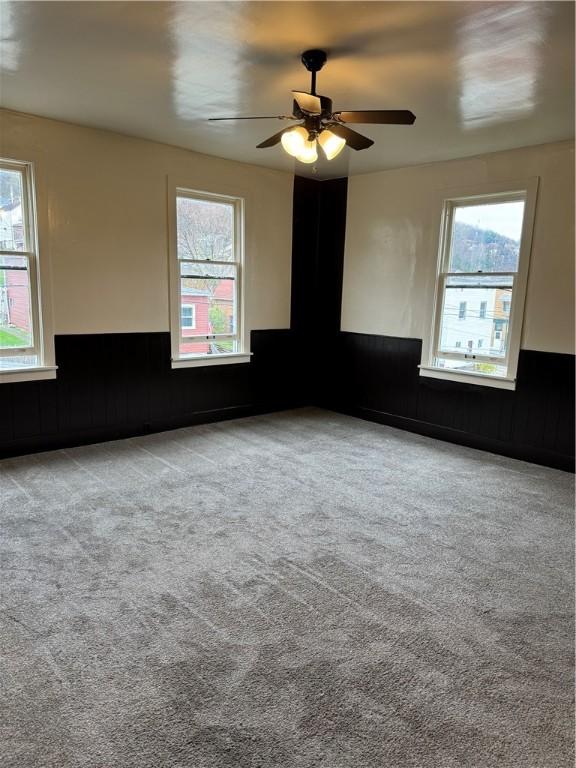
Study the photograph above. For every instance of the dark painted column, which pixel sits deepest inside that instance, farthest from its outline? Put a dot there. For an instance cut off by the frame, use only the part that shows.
(319, 223)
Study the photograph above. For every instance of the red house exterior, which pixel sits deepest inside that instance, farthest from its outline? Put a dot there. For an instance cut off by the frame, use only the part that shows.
(18, 299)
(202, 302)
(15, 301)
(14, 279)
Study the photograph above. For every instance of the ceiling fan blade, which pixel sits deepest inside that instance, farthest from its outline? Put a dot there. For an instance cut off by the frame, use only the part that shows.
(378, 116)
(273, 139)
(353, 139)
(308, 102)
(263, 117)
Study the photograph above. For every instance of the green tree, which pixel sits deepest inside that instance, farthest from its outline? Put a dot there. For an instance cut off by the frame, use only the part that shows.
(218, 319)
(475, 249)
(220, 324)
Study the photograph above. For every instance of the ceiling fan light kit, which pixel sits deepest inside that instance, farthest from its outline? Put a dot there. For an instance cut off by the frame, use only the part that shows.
(293, 140)
(331, 144)
(296, 142)
(320, 125)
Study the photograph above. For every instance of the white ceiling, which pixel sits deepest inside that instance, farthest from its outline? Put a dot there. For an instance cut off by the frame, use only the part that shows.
(480, 76)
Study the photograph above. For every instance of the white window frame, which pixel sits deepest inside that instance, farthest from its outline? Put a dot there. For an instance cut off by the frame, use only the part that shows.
(242, 353)
(40, 347)
(501, 193)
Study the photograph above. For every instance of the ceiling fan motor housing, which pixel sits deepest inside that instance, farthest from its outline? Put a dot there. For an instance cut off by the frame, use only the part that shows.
(314, 59)
(326, 103)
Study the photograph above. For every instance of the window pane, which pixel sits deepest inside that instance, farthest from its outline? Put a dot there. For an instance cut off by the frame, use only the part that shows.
(9, 362)
(15, 316)
(470, 366)
(12, 234)
(188, 316)
(214, 298)
(486, 237)
(211, 347)
(475, 321)
(205, 229)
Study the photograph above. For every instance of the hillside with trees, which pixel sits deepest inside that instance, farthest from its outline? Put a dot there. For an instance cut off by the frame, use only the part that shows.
(475, 249)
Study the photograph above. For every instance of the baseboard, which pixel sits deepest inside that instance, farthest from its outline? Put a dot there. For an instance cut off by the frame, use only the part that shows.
(55, 442)
(528, 453)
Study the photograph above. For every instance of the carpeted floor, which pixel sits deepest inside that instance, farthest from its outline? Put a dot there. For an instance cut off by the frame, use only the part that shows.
(287, 591)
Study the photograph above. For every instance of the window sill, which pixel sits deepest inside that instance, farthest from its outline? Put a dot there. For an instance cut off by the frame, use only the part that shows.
(38, 373)
(479, 379)
(200, 361)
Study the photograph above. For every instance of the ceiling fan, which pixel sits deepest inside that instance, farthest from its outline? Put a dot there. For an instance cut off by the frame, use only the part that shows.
(319, 125)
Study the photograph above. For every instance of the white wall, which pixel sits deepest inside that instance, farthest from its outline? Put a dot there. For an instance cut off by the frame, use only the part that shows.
(392, 232)
(102, 202)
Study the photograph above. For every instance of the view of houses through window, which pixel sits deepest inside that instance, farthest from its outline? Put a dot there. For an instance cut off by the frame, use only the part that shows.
(17, 342)
(209, 264)
(476, 286)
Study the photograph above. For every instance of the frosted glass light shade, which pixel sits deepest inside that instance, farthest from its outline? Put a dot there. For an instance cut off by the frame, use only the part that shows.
(331, 144)
(308, 153)
(293, 141)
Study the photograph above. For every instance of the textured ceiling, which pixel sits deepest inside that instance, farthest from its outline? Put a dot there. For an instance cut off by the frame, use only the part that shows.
(479, 76)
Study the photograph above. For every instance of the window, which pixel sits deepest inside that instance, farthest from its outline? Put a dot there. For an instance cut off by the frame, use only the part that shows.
(206, 279)
(188, 316)
(21, 338)
(480, 288)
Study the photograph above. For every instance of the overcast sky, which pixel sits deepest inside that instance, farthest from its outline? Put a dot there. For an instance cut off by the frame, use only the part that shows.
(504, 218)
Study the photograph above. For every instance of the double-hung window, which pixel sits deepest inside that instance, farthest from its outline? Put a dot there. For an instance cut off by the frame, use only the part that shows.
(480, 288)
(206, 279)
(21, 337)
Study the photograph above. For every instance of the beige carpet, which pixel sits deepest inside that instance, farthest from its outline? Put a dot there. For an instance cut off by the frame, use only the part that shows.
(287, 591)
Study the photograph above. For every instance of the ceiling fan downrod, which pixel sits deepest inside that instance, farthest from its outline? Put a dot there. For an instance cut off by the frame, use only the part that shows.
(314, 60)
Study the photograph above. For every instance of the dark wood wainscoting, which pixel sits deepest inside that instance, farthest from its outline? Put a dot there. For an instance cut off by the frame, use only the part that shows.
(377, 378)
(117, 385)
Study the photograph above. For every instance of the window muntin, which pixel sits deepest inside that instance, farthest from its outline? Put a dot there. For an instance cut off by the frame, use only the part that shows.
(20, 337)
(209, 273)
(477, 284)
